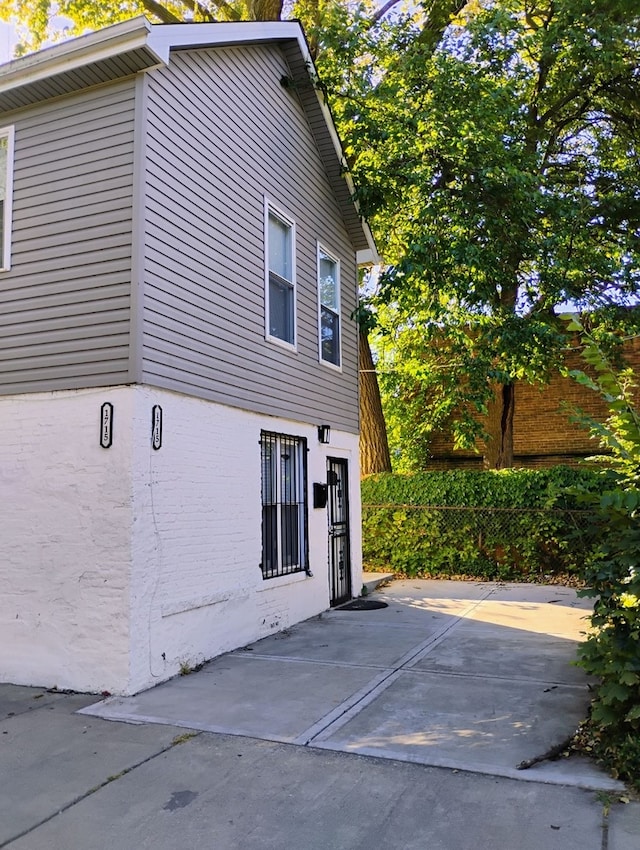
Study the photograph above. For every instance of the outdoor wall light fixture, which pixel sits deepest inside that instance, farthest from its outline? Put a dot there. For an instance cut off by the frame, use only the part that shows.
(324, 433)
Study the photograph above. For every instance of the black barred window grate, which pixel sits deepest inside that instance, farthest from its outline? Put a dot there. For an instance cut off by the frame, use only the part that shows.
(284, 504)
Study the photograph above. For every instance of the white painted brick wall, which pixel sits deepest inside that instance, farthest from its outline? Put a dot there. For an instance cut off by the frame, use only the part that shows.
(198, 590)
(64, 541)
(119, 564)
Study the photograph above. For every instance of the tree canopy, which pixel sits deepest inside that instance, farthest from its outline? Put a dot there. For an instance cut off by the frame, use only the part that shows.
(500, 172)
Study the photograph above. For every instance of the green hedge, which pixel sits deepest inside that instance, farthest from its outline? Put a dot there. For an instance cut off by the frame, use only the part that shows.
(513, 524)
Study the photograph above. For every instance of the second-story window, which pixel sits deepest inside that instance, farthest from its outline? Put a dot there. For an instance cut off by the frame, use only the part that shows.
(329, 304)
(281, 289)
(6, 182)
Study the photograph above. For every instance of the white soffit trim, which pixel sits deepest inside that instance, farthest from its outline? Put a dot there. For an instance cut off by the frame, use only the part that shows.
(370, 257)
(72, 54)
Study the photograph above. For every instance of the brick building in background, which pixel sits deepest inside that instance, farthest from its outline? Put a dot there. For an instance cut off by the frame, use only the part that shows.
(543, 433)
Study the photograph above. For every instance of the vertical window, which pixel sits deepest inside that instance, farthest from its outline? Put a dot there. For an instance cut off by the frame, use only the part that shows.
(284, 504)
(329, 298)
(280, 239)
(6, 185)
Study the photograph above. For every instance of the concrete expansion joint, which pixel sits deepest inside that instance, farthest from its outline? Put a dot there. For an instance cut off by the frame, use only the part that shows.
(550, 683)
(605, 827)
(351, 707)
(293, 660)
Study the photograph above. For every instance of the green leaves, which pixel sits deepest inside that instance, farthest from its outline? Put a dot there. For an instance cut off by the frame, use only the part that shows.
(499, 173)
(612, 650)
(513, 524)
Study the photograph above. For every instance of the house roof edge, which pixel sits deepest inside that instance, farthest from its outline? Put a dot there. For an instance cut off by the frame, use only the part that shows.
(152, 44)
(184, 35)
(76, 52)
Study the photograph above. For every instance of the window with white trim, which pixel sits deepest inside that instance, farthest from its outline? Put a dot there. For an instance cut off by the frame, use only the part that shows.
(280, 284)
(329, 307)
(6, 187)
(284, 504)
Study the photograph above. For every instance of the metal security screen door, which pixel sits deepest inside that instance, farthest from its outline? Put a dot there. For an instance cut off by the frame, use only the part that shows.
(339, 554)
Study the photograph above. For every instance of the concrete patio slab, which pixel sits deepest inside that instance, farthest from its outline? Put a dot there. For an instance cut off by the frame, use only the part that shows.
(546, 618)
(347, 641)
(475, 723)
(445, 675)
(431, 591)
(482, 649)
(540, 594)
(238, 694)
(624, 827)
(442, 676)
(416, 602)
(372, 580)
(221, 792)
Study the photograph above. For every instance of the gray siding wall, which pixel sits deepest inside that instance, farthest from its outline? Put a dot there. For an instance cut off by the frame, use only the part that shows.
(222, 134)
(64, 304)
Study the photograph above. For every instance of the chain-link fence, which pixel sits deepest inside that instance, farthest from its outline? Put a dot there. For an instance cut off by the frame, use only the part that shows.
(502, 542)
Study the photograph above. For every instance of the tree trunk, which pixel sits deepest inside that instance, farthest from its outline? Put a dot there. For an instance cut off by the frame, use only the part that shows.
(374, 448)
(265, 10)
(498, 449)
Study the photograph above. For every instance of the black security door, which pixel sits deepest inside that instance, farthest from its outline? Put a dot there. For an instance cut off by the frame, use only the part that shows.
(338, 507)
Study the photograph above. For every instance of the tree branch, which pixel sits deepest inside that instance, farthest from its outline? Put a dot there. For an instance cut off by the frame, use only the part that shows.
(161, 12)
(545, 64)
(557, 107)
(195, 7)
(382, 11)
(230, 12)
(265, 10)
(437, 20)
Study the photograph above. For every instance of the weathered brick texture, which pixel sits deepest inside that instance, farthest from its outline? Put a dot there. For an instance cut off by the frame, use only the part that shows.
(543, 433)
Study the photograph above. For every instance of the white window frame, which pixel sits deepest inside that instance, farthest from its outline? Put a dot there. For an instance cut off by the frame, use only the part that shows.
(272, 209)
(322, 250)
(8, 133)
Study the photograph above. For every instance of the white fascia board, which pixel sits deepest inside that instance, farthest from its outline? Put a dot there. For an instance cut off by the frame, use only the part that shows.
(76, 52)
(369, 256)
(372, 254)
(188, 35)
